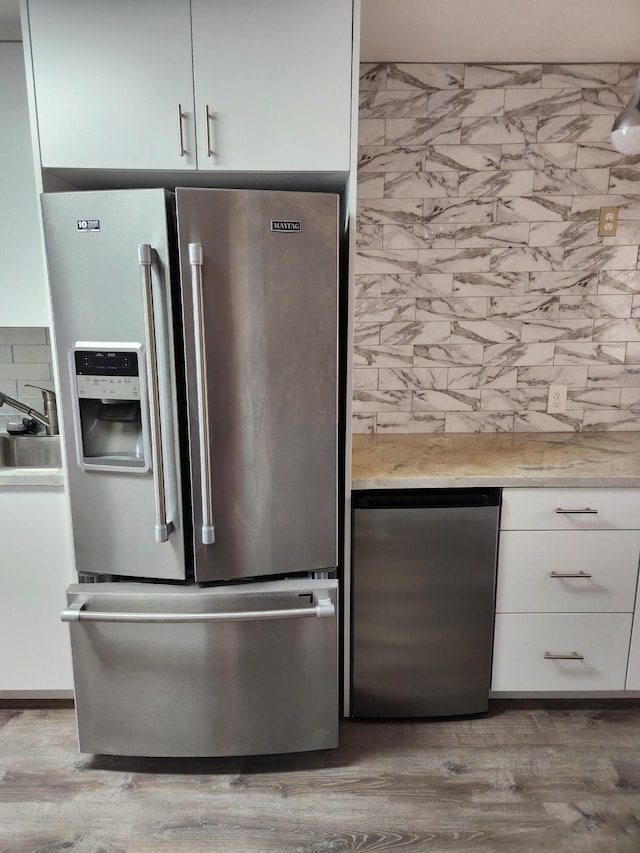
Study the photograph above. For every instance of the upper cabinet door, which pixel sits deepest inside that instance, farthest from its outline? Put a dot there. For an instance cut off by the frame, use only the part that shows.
(113, 83)
(272, 84)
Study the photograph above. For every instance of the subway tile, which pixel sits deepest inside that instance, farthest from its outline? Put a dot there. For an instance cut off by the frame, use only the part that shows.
(619, 282)
(489, 284)
(365, 378)
(478, 422)
(629, 74)
(28, 353)
(593, 155)
(521, 307)
(570, 421)
(508, 183)
(425, 75)
(542, 102)
(596, 306)
(437, 235)
(588, 353)
(371, 185)
(462, 157)
(381, 401)
(588, 206)
(534, 209)
(494, 376)
(611, 420)
(420, 184)
(498, 131)
(366, 333)
(23, 335)
(609, 100)
(390, 158)
(362, 424)
(527, 259)
(600, 258)
(26, 370)
(603, 376)
(594, 398)
(387, 261)
(453, 308)
(555, 155)
(423, 131)
(573, 233)
(446, 355)
(581, 128)
(6, 352)
(518, 355)
(414, 422)
(373, 75)
(430, 284)
(583, 75)
(385, 104)
(574, 283)
(502, 76)
(625, 180)
(571, 181)
(556, 330)
(466, 103)
(460, 210)
(384, 310)
(416, 332)
(514, 399)
(446, 401)
(485, 331)
(371, 131)
(415, 378)
(379, 356)
(616, 330)
(388, 210)
(454, 260)
(368, 235)
(367, 286)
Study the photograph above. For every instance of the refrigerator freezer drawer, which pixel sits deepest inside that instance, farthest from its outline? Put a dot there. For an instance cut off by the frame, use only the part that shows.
(182, 671)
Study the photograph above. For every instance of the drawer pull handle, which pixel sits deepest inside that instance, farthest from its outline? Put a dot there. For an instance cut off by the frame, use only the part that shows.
(563, 656)
(579, 574)
(587, 510)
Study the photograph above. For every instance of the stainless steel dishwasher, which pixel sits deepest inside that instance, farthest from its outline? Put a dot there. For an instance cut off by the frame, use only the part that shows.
(424, 567)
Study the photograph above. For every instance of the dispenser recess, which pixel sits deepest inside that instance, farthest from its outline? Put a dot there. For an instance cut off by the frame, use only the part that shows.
(110, 412)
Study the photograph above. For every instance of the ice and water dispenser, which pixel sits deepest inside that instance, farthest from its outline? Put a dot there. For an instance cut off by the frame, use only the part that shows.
(110, 414)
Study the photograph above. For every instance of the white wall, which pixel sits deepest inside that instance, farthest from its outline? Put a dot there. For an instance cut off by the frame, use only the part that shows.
(492, 31)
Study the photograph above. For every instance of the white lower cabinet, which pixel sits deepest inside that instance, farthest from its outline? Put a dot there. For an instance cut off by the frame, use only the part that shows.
(561, 651)
(37, 567)
(566, 590)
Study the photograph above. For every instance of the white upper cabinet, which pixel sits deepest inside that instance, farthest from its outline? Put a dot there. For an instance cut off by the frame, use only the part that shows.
(272, 84)
(109, 79)
(23, 283)
(114, 84)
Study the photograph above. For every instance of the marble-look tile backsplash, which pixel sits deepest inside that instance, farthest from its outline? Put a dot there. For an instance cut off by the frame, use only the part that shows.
(25, 359)
(480, 278)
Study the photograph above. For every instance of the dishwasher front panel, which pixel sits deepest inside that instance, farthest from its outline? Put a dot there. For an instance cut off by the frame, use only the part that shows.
(423, 605)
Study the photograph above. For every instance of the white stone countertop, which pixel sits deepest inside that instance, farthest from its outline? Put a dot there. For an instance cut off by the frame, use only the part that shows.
(498, 459)
(31, 477)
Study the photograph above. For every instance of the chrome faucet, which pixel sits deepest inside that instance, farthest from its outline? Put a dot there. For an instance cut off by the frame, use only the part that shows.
(48, 419)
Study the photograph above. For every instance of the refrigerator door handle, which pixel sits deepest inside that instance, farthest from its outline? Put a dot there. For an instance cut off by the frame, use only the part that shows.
(195, 263)
(322, 607)
(162, 527)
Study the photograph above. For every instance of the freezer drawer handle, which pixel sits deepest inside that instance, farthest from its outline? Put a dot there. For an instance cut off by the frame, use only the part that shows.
(322, 608)
(195, 262)
(162, 528)
(587, 510)
(563, 656)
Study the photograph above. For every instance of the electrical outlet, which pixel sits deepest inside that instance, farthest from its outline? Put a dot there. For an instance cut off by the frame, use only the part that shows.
(557, 399)
(608, 224)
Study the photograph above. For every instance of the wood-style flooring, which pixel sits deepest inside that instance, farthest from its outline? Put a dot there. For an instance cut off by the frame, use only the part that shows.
(529, 777)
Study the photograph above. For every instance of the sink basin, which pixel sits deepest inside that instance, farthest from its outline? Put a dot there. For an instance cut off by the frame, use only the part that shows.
(33, 451)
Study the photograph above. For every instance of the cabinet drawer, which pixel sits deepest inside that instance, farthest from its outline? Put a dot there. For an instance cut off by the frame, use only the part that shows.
(521, 641)
(570, 509)
(528, 558)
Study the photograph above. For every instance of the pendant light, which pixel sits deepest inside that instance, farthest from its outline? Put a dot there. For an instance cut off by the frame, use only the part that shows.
(625, 133)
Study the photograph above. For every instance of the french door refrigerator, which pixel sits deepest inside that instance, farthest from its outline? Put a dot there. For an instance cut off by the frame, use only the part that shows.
(196, 335)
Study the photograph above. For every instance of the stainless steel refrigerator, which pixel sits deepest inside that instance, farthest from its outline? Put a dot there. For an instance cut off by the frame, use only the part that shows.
(196, 335)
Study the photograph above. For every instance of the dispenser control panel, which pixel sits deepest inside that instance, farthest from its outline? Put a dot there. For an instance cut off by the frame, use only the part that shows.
(107, 374)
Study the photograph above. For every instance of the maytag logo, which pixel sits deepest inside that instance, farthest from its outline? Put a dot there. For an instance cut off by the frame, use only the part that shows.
(285, 225)
(88, 224)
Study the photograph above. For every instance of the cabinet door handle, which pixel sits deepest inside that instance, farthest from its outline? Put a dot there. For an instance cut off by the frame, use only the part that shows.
(580, 574)
(563, 656)
(207, 130)
(586, 510)
(180, 132)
